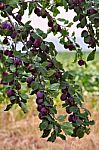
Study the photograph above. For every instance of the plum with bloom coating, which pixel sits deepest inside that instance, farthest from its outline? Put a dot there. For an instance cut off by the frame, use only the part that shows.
(10, 92)
(81, 62)
(17, 61)
(40, 95)
(44, 111)
(73, 118)
(39, 101)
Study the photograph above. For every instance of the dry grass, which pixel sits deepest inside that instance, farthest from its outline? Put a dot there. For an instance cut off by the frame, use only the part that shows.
(22, 133)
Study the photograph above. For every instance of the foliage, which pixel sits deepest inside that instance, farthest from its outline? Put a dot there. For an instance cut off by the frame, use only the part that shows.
(36, 66)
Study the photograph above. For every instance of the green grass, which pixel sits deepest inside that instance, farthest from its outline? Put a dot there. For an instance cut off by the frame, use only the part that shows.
(65, 57)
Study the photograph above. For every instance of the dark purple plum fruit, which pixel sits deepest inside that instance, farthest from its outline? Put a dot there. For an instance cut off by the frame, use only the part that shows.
(5, 41)
(63, 97)
(74, 2)
(6, 52)
(13, 35)
(30, 67)
(4, 25)
(53, 29)
(9, 27)
(71, 100)
(40, 95)
(41, 116)
(18, 17)
(29, 80)
(71, 47)
(59, 28)
(37, 43)
(73, 118)
(18, 86)
(4, 74)
(17, 61)
(39, 101)
(15, 74)
(50, 23)
(65, 89)
(39, 107)
(37, 11)
(81, 62)
(44, 110)
(2, 5)
(91, 11)
(10, 92)
(10, 53)
(58, 75)
(11, 82)
(29, 43)
(50, 64)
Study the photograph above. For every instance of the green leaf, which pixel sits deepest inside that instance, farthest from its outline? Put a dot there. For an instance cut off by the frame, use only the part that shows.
(8, 107)
(43, 125)
(35, 85)
(83, 22)
(92, 122)
(91, 56)
(62, 136)
(67, 128)
(12, 2)
(55, 11)
(80, 132)
(41, 33)
(51, 72)
(54, 87)
(24, 107)
(24, 96)
(52, 138)
(50, 126)
(65, 4)
(12, 68)
(53, 110)
(31, 7)
(45, 133)
(74, 109)
(61, 118)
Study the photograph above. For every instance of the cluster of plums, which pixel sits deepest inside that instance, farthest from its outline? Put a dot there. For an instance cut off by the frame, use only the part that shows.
(42, 109)
(54, 27)
(69, 46)
(9, 31)
(75, 3)
(43, 13)
(90, 11)
(11, 82)
(69, 100)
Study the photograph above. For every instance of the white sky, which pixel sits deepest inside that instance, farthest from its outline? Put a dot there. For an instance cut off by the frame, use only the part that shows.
(39, 22)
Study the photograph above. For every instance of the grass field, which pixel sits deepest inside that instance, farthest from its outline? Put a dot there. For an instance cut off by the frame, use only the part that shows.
(19, 131)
